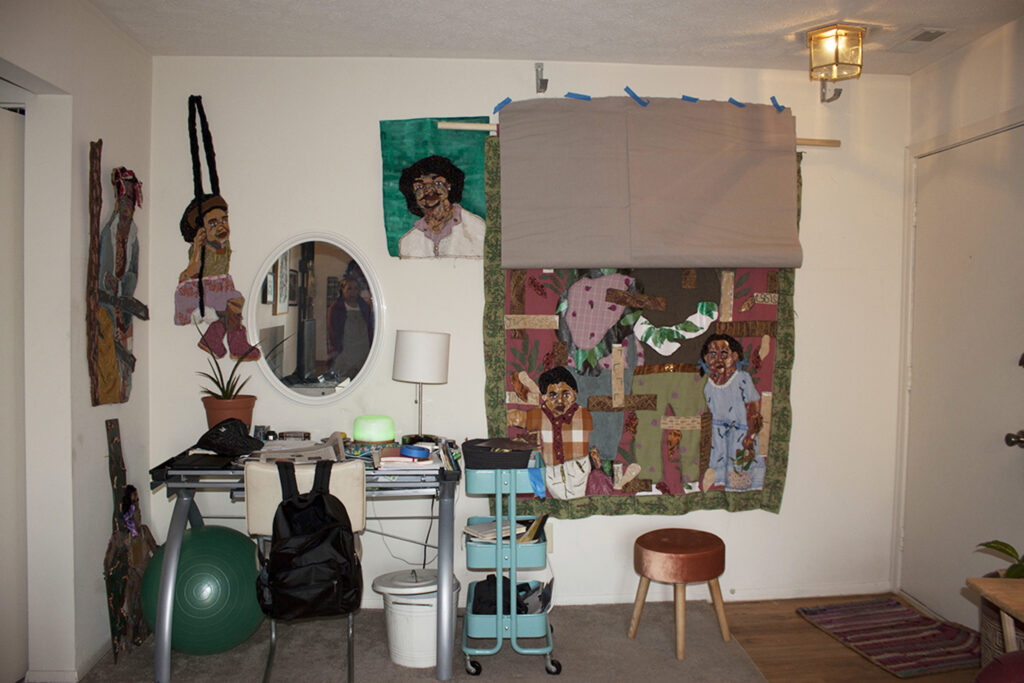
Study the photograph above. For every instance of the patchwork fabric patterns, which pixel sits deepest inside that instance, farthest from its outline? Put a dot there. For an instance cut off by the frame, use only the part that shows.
(685, 386)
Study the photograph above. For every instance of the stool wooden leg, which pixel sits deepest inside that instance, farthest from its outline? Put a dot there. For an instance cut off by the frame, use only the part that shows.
(716, 598)
(638, 606)
(680, 595)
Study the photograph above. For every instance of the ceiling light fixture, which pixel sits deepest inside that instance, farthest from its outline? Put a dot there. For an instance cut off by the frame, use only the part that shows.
(836, 55)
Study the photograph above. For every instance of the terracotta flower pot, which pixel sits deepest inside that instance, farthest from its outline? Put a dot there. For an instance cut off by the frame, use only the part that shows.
(220, 409)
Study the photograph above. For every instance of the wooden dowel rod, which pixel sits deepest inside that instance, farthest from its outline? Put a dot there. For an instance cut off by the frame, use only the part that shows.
(493, 128)
(459, 125)
(816, 142)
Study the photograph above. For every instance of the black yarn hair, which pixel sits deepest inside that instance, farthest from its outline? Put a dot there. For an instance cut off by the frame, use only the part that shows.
(554, 376)
(435, 165)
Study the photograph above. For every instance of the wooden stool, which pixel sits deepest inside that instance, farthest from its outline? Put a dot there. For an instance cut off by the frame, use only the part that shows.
(679, 557)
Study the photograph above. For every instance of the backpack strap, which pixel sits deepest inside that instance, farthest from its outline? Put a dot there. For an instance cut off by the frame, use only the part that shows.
(322, 481)
(286, 472)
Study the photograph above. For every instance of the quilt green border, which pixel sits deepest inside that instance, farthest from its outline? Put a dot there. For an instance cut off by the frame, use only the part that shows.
(768, 498)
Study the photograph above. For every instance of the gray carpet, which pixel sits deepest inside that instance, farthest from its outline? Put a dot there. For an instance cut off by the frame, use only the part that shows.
(590, 642)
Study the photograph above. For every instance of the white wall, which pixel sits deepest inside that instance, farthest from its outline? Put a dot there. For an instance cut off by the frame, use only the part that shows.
(298, 150)
(979, 81)
(91, 82)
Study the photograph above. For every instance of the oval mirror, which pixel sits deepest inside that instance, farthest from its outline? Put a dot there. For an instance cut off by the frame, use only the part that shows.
(318, 311)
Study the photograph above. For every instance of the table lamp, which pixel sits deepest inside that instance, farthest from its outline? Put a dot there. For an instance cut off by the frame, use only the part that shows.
(421, 358)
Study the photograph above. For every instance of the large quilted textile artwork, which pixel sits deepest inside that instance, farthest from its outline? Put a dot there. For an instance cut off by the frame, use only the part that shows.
(648, 391)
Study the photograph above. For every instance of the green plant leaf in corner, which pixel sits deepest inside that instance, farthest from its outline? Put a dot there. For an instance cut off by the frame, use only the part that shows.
(1015, 571)
(1002, 548)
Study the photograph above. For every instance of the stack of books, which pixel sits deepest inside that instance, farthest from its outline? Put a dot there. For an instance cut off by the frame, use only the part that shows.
(525, 533)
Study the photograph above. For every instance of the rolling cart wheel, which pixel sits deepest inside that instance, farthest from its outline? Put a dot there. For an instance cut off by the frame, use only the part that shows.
(473, 667)
(553, 666)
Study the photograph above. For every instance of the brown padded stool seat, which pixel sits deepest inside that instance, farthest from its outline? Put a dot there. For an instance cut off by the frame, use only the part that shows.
(679, 556)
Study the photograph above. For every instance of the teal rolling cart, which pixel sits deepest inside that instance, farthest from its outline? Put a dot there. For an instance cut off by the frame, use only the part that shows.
(504, 558)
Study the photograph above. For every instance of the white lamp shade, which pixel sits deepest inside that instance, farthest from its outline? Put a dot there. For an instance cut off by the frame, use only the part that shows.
(421, 357)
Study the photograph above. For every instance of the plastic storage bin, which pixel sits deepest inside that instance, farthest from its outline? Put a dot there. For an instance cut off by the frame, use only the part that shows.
(410, 613)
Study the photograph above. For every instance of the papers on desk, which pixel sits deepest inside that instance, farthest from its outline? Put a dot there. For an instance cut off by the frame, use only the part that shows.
(297, 452)
(392, 459)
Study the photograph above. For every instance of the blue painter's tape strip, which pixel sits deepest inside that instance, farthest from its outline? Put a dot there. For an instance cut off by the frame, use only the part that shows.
(636, 98)
(778, 107)
(501, 105)
(577, 96)
(414, 451)
(687, 98)
(736, 102)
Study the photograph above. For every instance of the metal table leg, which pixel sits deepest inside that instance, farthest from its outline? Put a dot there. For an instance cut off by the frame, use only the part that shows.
(184, 511)
(445, 567)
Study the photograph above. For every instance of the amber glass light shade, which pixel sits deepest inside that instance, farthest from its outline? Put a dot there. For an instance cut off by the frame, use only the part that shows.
(836, 52)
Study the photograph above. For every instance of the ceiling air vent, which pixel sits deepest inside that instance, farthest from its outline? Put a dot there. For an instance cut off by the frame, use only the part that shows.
(927, 35)
(919, 39)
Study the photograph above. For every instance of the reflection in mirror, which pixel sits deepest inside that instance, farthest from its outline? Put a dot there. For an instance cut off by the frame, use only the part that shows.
(320, 297)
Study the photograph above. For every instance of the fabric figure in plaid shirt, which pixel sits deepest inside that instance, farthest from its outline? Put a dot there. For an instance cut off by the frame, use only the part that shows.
(562, 427)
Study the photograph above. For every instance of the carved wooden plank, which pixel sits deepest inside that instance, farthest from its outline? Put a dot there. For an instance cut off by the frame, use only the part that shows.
(531, 322)
(728, 292)
(765, 435)
(624, 298)
(747, 328)
(603, 404)
(681, 422)
(618, 377)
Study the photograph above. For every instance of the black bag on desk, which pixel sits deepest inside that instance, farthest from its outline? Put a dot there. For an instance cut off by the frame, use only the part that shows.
(312, 569)
(485, 596)
(229, 437)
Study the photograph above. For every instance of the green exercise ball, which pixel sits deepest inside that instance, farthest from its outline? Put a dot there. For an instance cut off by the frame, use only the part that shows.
(215, 605)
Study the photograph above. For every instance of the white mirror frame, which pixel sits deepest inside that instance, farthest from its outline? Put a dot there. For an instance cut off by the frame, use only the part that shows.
(379, 309)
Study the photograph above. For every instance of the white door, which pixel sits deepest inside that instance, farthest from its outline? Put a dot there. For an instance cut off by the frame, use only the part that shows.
(963, 484)
(14, 586)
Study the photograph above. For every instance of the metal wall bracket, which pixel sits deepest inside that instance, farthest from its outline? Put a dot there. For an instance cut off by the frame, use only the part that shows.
(835, 94)
(542, 83)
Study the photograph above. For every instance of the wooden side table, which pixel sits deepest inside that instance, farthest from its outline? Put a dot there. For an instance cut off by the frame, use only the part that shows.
(1008, 596)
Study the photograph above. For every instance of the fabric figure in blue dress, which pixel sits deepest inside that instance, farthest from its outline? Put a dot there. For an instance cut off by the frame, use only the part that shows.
(735, 406)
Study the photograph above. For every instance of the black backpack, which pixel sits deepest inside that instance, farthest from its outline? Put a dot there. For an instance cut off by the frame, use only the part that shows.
(313, 569)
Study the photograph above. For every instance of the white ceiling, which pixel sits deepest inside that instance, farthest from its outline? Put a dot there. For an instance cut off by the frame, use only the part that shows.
(733, 33)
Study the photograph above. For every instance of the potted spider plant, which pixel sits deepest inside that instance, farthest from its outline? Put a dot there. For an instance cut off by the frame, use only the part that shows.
(223, 398)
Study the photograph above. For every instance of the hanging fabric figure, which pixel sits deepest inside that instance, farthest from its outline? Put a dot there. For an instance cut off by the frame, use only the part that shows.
(205, 288)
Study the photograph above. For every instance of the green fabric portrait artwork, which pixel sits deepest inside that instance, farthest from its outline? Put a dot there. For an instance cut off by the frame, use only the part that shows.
(433, 188)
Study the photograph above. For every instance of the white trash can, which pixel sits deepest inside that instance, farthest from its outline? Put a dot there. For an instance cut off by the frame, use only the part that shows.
(410, 612)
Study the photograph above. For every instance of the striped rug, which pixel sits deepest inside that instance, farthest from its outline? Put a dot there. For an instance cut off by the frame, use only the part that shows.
(897, 638)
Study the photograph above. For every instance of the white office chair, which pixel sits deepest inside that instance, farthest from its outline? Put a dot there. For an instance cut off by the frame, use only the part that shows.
(262, 496)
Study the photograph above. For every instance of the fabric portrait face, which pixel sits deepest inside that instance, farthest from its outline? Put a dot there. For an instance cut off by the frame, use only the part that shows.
(721, 361)
(559, 398)
(215, 223)
(431, 192)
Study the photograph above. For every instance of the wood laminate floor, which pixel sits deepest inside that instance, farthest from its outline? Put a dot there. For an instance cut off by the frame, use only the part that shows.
(787, 648)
